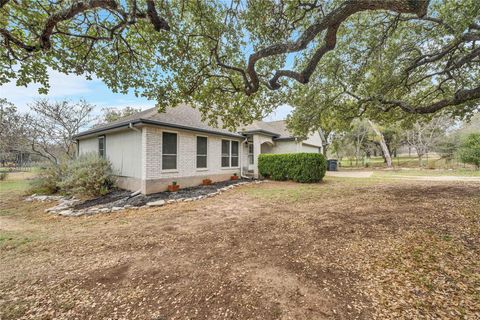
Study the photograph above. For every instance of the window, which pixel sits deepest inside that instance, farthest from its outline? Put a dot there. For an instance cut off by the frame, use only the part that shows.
(169, 151)
(201, 152)
(229, 153)
(234, 160)
(250, 153)
(101, 146)
(225, 153)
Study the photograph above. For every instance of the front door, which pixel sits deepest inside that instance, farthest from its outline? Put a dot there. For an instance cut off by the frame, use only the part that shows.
(250, 157)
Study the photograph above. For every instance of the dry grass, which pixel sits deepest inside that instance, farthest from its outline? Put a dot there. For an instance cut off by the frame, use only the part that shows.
(343, 249)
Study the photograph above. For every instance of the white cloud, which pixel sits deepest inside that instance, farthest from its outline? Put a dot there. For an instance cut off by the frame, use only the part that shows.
(61, 86)
(280, 113)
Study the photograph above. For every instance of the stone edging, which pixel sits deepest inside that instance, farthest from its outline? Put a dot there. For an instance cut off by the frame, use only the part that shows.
(66, 204)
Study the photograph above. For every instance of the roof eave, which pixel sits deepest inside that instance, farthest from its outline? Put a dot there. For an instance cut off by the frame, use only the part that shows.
(284, 139)
(126, 124)
(265, 132)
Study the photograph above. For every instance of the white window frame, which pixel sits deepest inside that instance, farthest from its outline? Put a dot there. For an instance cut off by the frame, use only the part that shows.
(104, 146)
(177, 155)
(196, 152)
(230, 154)
(251, 157)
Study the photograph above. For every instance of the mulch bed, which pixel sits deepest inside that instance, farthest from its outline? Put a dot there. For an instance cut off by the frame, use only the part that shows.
(120, 198)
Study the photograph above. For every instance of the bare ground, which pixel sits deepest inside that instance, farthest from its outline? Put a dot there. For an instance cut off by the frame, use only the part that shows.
(343, 249)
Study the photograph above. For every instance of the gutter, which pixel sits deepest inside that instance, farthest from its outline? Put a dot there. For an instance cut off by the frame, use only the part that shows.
(128, 124)
(241, 159)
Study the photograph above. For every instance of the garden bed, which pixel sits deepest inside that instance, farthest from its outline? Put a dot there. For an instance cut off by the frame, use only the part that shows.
(120, 199)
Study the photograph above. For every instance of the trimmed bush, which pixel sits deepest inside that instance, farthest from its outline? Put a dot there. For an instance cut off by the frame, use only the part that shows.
(299, 167)
(88, 175)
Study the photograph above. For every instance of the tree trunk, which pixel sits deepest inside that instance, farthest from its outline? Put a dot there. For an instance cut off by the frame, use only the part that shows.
(323, 137)
(383, 145)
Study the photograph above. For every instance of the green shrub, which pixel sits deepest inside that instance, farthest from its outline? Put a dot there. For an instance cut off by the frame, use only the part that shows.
(299, 167)
(3, 175)
(48, 179)
(88, 175)
(470, 149)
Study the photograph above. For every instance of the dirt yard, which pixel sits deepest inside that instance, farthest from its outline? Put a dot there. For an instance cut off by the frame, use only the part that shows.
(342, 249)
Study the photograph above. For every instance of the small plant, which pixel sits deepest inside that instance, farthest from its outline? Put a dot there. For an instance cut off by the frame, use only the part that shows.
(234, 177)
(3, 175)
(173, 187)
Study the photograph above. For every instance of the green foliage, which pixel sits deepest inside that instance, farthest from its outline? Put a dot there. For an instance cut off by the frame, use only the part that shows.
(111, 115)
(203, 57)
(447, 146)
(470, 149)
(87, 175)
(48, 179)
(299, 167)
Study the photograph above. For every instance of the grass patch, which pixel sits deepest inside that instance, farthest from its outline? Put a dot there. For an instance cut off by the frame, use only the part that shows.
(14, 186)
(9, 240)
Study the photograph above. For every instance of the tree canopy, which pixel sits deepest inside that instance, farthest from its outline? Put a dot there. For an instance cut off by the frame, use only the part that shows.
(236, 59)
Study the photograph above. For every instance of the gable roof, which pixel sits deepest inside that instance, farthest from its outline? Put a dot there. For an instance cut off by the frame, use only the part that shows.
(180, 117)
(278, 129)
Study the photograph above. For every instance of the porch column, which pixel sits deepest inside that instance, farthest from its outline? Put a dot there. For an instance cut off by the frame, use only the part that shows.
(256, 152)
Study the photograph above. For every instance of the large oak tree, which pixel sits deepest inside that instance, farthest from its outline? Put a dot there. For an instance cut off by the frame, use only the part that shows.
(232, 59)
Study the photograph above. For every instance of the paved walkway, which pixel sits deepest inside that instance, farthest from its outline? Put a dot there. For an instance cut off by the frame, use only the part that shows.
(437, 178)
(368, 174)
(350, 174)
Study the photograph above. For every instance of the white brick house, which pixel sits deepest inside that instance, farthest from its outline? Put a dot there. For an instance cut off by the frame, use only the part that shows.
(150, 150)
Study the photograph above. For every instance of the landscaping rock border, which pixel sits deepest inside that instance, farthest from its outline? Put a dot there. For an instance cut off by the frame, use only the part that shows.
(67, 205)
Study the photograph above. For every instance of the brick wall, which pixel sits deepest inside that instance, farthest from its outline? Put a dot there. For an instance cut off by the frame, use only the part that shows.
(186, 154)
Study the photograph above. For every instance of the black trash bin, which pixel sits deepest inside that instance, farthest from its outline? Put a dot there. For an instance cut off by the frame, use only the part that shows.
(332, 164)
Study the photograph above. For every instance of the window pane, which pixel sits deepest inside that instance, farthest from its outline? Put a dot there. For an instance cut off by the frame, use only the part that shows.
(250, 159)
(101, 147)
(169, 162)
(169, 143)
(225, 161)
(201, 145)
(234, 161)
(234, 148)
(225, 148)
(250, 148)
(201, 161)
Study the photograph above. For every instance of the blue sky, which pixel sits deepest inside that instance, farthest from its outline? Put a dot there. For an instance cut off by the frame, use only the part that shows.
(74, 87)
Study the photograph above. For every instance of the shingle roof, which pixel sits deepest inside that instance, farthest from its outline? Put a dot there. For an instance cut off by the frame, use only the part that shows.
(186, 117)
(276, 128)
(181, 116)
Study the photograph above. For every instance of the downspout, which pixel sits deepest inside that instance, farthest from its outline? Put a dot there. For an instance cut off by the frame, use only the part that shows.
(139, 191)
(130, 125)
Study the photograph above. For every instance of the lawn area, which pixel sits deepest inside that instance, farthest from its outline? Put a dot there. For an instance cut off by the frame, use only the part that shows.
(407, 162)
(342, 249)
(16, 182)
